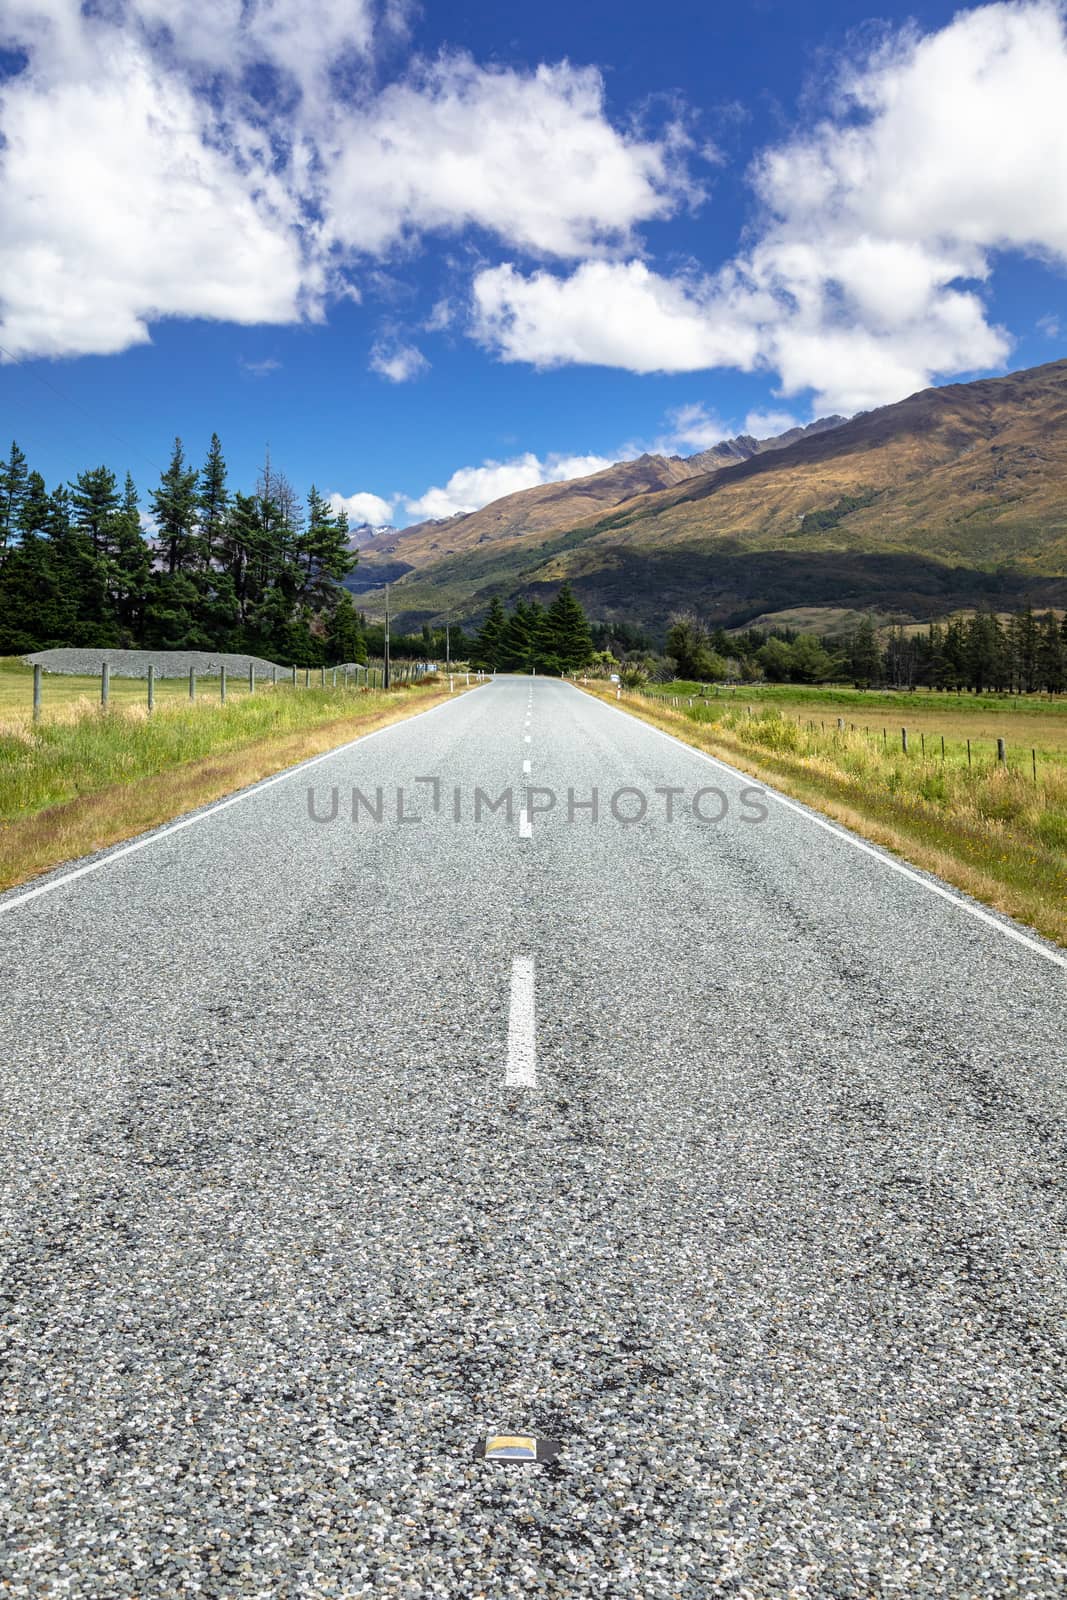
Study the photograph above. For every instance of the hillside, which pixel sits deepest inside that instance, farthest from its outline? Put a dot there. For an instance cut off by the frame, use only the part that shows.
(955, 496)
(523, 518)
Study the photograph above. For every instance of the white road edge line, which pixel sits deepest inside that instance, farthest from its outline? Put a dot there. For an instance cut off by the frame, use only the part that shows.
(857, 844)
(14, 900)
(521, 1069)
(525, 830)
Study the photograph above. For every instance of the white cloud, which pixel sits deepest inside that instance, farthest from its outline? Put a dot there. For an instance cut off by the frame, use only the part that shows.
(1050, 325)
(769, 424)
(612, 314)
(470, 488)
(694, 428)
(531, 158)
(939, 152)
(363, 508)
(140, 179)
(117, 208)
(398, 362)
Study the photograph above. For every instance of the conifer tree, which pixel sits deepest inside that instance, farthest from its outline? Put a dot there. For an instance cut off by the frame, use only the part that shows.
(13, 483)
(490, 635)
(569, 631)
(174, 504)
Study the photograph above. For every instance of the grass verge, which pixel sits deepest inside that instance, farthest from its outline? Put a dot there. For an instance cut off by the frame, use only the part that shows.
(989, 830)
(73, 786)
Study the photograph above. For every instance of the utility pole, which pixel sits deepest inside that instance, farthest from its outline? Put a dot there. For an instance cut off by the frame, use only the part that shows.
(448, 647)
(385, 675)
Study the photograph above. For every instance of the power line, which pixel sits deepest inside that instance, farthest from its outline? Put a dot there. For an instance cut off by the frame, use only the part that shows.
(77, 406)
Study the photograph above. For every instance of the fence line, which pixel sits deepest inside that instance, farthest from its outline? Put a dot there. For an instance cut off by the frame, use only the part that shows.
(355, 676)
(1000, 758)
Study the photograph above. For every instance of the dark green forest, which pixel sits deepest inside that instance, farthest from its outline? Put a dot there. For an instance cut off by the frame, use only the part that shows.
(535, 638)
(1023, 654)
(259, 572)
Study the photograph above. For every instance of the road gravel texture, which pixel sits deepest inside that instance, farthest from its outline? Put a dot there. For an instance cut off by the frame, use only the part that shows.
(772, 1246)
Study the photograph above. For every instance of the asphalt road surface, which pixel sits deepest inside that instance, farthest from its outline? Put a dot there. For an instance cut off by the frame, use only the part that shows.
(723, 1153)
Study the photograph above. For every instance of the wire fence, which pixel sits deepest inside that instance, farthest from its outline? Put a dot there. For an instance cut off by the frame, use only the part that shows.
(922, 744)
(200, 686)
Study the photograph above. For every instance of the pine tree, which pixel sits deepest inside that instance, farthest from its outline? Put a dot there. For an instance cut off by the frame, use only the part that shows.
(174, 505)
(344, 634)
(1051, 656)
(518, 651)
(129, 568)
(490, 635)
(14, 476)
(573, 645)
(322, 552)
(212, 500)
(864, 656)
(94, 501)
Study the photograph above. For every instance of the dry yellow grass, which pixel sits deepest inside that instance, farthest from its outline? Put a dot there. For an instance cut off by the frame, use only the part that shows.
(37, 838)
(991, 832)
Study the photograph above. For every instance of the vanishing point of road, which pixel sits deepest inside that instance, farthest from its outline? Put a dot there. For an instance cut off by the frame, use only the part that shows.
(691, 1134)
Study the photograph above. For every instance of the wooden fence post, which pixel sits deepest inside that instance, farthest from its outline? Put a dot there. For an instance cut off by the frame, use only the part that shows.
(37, 693)
(105, 683)
(1002, 754)
(151, 686)
(904, 740)
(251, 677)
(274, 677)
(294, 675)
(307, 677)
(222, 685)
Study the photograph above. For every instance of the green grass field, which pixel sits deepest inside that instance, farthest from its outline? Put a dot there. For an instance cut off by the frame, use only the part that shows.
(85, 777)
(60, 692)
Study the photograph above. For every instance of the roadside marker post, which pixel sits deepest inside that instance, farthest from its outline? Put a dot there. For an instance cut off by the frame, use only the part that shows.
(222, 685)
(192, 683)
(37, 693)
(105, 683)
(151, 686)
(251, 677)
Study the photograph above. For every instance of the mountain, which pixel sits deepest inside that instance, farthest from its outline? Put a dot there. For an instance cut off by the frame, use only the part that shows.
(956, 496)
(529, 513)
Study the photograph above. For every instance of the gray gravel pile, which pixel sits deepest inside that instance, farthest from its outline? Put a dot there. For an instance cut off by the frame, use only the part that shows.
(135, 663)
(774, 1249)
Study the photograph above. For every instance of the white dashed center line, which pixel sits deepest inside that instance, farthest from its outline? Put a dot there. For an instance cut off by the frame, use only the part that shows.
(526, 768)
(521, 1069)
(525, 829)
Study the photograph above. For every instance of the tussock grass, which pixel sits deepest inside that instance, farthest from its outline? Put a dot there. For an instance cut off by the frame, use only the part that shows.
(990, 830)
(90, 778)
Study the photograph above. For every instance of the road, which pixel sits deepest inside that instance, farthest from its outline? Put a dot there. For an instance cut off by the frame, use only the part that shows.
(723, 1153)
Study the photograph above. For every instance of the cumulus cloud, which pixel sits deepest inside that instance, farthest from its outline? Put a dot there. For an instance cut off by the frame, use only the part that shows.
(470, 488)
(398, 362)
(233, 159)
(612, 314)
(118, 208)
(363, 508)
(530, 157)
(878, 229)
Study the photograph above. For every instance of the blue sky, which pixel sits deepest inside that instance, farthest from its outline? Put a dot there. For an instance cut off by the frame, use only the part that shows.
(430, 255)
